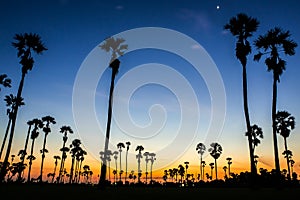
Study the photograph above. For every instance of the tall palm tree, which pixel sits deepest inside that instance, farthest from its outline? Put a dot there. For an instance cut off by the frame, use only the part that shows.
(75, 148)
(55, 165)
(120, 146)
(215, 151)
(229, 162)
(127, 149)
(146, 154)
(46, 129)
(65, 130)
(25, 44)
(285, 123)
(186, 168)
(5, 81)
(203, 164)
(212, 166)
(200, 148)
(274, 42)
(242, 27)
(34, 134)
(114, 45)
(152, 159)
(11, 103)
(139, 156)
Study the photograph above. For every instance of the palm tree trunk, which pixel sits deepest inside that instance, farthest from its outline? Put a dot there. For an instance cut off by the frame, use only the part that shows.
(126, 166)
(216, 169)
(287, 160)
(71, 171)
(276, 156)
(12, 130)
(109, 115)
(30, 162)
(201, 167)
(5, 136)
(43, 157)
(247, 118)
(61, 169)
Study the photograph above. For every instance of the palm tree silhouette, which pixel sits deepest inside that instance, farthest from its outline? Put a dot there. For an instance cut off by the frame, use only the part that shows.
(127, 149)
(146, 154)
(75, 148)
(215, 151)
(139, 156)
(120, 146)
(271, 44)
(34, 134)
(11, 103)
(200, 148)
(115, 154)
(113, 45)
(285, 123)
(152, 159)
(203, 164)
(64, 130)
(26, 44)
(46, 129)
(55, 165)
(212, 166)
(255, 133)
(186, 168)
(242, 27)
(229, 162)
(5, 81)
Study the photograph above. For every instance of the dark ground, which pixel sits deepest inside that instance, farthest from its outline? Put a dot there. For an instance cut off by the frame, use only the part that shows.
(49, 191)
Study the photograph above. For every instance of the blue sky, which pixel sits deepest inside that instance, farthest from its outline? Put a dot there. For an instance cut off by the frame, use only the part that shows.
(72, 29)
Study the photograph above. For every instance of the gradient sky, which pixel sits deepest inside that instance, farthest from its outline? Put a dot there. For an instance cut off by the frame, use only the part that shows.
(72, 29)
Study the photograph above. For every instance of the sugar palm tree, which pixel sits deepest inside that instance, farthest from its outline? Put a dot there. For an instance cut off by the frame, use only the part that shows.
(127, 149)
(55, 165)
(242, 27)
(5, 81)
(120, 146)
(229, 162)
(256, 134)
(11, 103)
(139, 156)
(152, 159)
(285, 123)
(117, 49)
(215, 151)
(146, 154)
(274, 42)
(26, 44)
(46, 129)
(200, 148)
(75, 148)
(65, 130)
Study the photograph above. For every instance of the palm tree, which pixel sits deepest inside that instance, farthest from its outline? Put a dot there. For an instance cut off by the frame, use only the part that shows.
(243, 27)
(271, 44)
(127, 149)
(115, 46)
(34, 134)
(285, 123)
(146, 154)
(225, 170)
(5, 81)
(186, 168)
(200, 148)
(75, 148)
(26, 44)
(203, 164)
(229, 162)
(46, 129)
(181, 172)
(212, 166)
(152, 159)
(139, 156)
(11, 103)
(64, 130)
(115, 154)
(120, 146)
(55, 165)
(215, 151)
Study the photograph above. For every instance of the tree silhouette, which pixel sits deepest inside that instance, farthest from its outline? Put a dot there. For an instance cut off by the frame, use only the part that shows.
(127, 149)
(200, 148)
(272, 44)
(75, 148)
(152, 159)
(215, 151)
(64, 130)
(55, 165)
(25, 44)
(120, 146)
(117, 48)
(255, 133)
(46, 129)
(285, 123)
(139, 156)
(146, 154)
(242, 27)
(5, 81)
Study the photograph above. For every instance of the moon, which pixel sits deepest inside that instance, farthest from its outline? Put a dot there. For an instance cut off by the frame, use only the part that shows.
(218, 7)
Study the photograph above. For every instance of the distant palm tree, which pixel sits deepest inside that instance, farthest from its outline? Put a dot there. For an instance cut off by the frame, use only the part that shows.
(11, 103)
(5, 81)
(181, 172)
(271, 44)
(215, 151)
(34, 134)
(139, 156)
(212, 166)
(120, 146)
(55, 165)
(200, 148)
(115, 154)
(46, 129)
(75, 148)
(26, 44)
(186, 168)
(225, 170)
(146, 154)
(243, 27)
(127, 149)
(152, 159)
(229, 162)
(114, 45)
(203, 164)
(64, 130)
(285, 123)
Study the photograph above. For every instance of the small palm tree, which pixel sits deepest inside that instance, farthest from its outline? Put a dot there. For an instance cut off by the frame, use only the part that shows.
(120, 146)
(55, 165)
(215, 151)
(272, 44)
(75, 148)
(212, 166)
(139, 156)
(5, 81)
(186, 168)
(285, 123)
(152, 159)
(243, 27)
(200, 148)
(229, 162)
(25, 44)
(146, 154)
(117, 48)
(46, 129)
(127, 149)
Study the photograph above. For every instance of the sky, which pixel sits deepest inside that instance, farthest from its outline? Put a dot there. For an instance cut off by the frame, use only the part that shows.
(179, 82)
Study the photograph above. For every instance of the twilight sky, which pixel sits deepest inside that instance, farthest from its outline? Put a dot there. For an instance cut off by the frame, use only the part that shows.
(179, 83)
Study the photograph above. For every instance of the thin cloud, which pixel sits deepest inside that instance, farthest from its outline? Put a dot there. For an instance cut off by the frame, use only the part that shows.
(199, 19)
